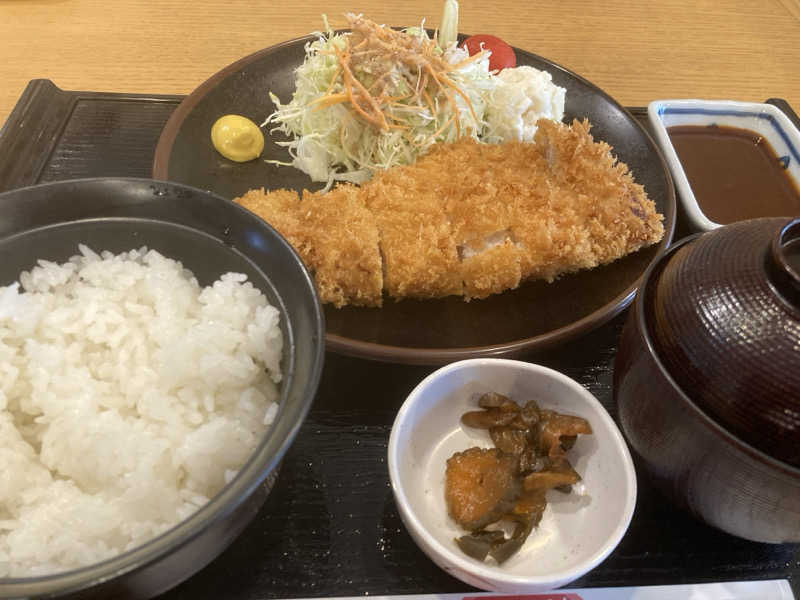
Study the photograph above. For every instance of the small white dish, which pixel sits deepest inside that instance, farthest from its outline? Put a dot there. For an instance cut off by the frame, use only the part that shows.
(765, 119)
(577, 531)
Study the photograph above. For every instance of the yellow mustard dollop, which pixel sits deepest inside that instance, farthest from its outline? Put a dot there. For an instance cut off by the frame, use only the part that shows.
(237, 138)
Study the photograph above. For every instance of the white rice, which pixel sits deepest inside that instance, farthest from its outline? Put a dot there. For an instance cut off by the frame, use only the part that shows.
(129, 396)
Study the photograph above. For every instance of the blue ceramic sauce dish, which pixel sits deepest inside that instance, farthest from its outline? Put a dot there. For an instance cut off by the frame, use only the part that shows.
(731, 161)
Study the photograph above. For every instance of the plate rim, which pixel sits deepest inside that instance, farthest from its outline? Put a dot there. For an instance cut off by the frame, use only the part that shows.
(441, 355)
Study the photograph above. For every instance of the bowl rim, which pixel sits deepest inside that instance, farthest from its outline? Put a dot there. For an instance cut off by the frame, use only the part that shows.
(489, 572)
(252, 474)
(779, 119)
(640, 316)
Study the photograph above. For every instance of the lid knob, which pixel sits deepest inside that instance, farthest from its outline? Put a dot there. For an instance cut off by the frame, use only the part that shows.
(783, 262)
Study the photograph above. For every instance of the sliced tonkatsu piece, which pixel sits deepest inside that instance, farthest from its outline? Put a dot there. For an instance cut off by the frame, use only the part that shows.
(478, 201)
(614, 211)
(335, 236)
(346, 262)
(280, 208)
(419, 254)
(492, 270)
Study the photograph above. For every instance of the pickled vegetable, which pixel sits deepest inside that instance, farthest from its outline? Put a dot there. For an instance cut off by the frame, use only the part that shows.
(481, 485)
(509, 483)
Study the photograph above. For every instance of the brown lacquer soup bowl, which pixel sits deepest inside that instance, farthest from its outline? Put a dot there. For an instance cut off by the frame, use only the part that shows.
(707, 378)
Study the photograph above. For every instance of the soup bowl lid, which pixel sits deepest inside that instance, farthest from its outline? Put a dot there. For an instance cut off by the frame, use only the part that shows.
(723, 312)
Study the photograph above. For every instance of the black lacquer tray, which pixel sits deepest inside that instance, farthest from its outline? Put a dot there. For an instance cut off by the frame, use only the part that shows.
(330, 527)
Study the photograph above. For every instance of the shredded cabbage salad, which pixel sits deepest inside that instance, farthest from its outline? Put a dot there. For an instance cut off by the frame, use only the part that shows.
(375, 97)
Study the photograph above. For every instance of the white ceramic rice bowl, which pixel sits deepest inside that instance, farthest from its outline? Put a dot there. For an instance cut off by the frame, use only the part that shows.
(576, 532)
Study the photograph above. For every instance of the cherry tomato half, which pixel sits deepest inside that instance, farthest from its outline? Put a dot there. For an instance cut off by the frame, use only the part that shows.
(502, 54)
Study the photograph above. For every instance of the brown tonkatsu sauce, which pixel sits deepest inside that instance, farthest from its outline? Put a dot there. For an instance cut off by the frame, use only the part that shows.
(734, 173)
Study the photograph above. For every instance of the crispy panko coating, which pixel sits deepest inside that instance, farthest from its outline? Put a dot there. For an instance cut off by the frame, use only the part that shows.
(468, 219)
(419, 251)
(335, 236)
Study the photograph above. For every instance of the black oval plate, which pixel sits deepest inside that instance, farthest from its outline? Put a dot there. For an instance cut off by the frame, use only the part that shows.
(532, 317)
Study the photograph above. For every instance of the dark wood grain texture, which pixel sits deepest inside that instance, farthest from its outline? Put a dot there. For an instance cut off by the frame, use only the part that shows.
(330, 526)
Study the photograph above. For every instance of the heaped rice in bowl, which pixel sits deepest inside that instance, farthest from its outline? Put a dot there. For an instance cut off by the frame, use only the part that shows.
(129, 396)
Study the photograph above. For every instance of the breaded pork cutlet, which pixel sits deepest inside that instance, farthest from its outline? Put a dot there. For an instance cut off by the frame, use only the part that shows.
(420, 258)
(478, 201)
(469, 219)
(335, 236)
(611, 211)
